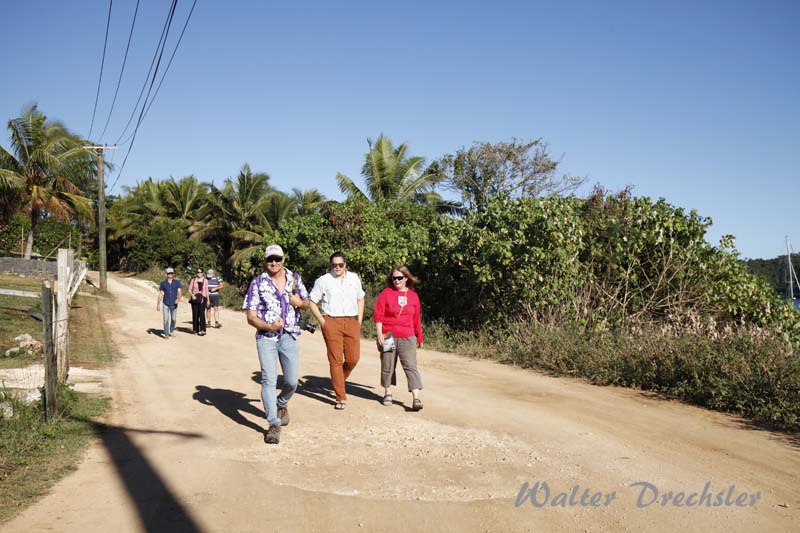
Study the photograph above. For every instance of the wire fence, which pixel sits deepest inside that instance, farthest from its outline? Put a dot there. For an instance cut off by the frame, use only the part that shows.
(28, 382)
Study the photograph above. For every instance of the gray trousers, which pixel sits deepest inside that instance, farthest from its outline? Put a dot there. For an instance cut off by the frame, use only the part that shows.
(406, 351)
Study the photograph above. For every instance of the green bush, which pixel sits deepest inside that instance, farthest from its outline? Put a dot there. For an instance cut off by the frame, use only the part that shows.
(606, 262)
(165, 243)
(230, 296)
(374, 236)
(50, 235)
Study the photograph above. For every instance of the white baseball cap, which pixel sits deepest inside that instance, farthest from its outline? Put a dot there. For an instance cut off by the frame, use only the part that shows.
(170, 271)
(273, 249)
(210, 271)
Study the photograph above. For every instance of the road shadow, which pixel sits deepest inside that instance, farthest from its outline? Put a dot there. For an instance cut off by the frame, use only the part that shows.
(190, 331)
(321, 389)
(157, 506)
(788, 437)
(156, 332)
(231, 404)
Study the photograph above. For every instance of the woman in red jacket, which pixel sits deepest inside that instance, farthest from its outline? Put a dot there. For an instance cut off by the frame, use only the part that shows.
(397, 312)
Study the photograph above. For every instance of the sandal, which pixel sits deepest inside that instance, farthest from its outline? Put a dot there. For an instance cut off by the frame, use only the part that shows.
(417, 405)
(387, 400)
(340, 405)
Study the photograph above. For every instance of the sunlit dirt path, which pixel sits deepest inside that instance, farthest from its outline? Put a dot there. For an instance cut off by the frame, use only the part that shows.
(184, 450)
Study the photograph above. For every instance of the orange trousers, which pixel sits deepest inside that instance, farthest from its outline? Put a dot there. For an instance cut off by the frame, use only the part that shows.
(342, 336)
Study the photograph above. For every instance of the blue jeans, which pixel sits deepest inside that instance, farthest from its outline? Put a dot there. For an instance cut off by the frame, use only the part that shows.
(170, 313)
(288, 351)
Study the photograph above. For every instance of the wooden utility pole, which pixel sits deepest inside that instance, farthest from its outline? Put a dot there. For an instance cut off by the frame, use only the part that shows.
(101, 219)
(61, 338)
(101, 211)
(50, 364)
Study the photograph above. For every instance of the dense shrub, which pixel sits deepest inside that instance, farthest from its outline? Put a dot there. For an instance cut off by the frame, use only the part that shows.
(516, 257)
(374, 236)
(165, 243)
(604, 263)
(50, 235)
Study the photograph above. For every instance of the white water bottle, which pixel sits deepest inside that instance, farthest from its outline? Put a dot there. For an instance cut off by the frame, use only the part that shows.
(388, 343)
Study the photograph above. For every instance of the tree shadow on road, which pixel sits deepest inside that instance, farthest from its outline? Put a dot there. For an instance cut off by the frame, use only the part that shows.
(231, 404)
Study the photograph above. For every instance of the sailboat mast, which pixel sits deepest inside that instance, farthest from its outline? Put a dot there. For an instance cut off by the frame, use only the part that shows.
(789, 269)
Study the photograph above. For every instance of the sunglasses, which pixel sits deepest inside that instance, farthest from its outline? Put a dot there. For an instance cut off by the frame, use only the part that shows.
(337, 265)
(274, 259)
(199, 271)
(398, 278)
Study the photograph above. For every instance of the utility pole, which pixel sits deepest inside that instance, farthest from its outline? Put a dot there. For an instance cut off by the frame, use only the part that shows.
(101, 211)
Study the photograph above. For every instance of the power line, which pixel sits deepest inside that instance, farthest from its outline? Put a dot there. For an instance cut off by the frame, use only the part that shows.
(166, 69)
(169, 63)
(122, 70)
(152, 82)
(102, 64)
(159, 46)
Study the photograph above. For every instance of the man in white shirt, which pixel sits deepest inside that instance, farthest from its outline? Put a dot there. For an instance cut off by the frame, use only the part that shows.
(341, 296)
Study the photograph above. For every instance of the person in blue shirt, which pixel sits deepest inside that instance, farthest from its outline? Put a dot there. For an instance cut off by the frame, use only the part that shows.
(170, 293)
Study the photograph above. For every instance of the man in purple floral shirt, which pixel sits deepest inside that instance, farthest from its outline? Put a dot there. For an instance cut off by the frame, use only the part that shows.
(273, 304)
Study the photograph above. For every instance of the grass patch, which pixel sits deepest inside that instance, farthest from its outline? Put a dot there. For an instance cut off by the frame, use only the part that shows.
(229, 296)
(15, 320)
(90, 340)
(154, 274)
(10, 281)
(35, 454)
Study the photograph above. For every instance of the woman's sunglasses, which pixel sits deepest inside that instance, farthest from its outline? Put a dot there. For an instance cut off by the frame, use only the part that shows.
(398, 278)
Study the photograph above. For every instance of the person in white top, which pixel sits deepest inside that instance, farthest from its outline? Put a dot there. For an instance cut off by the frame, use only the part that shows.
(341, 296)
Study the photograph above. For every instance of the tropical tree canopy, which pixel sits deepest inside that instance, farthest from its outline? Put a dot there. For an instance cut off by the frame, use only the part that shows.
(513, 169)
(47, 170)
(390, 174)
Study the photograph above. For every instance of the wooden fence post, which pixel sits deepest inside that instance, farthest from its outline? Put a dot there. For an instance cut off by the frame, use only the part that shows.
(50, 363)
(65, 266)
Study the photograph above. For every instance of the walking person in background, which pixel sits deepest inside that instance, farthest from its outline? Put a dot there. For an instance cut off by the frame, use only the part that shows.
(273, 304)
(198, 294)
(169, 294)
(397, 314)
(214, 286)
(341, 297)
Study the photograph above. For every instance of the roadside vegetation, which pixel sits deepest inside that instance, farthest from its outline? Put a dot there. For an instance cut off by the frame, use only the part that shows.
(15, 318)
(610, 287)
(35, 454)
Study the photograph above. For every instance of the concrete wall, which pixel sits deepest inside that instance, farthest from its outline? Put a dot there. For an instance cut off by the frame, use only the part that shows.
(33, 268)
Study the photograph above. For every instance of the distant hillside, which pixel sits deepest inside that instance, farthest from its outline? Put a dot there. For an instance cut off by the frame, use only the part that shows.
(775, 271)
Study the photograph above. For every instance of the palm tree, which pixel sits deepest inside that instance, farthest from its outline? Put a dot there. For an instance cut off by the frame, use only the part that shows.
(237, 216)
(141, 204)
(391, 175)
(47, 172)
(184, 199)
(308, 201)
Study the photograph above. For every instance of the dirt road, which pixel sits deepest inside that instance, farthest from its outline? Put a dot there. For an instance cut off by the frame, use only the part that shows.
(185, 451)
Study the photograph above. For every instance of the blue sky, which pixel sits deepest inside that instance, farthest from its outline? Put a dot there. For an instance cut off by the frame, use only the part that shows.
(690, 100)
